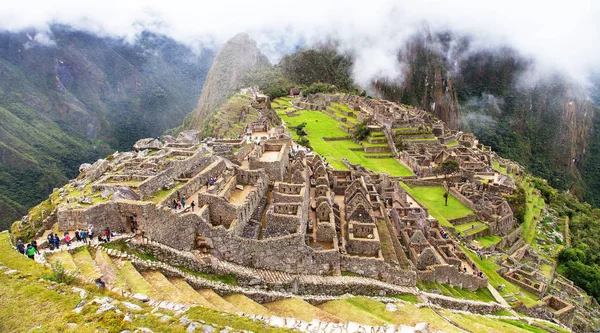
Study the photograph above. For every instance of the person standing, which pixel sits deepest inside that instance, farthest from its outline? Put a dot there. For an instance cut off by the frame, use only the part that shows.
(77, 235)
(21, 247)
(51, 241)
(83, 235)
(107, 234)
(183, 202)
(30, 251)
(68, 239)
(56, 241)
(34, 244)
(193, 205)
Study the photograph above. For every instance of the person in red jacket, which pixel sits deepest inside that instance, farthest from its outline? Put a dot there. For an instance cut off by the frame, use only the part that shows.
(107, 234)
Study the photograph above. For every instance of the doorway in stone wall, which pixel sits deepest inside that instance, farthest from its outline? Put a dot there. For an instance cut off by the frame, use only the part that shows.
(131, 224)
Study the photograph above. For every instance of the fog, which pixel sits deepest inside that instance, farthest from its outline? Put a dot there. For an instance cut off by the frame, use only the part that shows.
(558, 35)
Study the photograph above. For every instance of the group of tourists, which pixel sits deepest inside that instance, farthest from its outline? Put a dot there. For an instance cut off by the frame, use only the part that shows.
(180, 204)
(54, 241)
(30, 250)
(474, 268)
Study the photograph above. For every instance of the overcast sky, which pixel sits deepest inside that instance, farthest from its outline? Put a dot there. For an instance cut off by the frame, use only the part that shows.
(558, 34)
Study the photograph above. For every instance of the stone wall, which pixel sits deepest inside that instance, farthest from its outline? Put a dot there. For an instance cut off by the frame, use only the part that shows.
(197, 161)
(378, 269)
(463, 305)
(193, 185)
(447, 274)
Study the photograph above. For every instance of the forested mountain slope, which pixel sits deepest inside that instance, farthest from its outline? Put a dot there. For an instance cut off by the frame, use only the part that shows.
(78, 97)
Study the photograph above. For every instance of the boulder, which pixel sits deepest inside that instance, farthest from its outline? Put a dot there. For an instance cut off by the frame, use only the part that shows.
(96, 170)
(84, 167)
(189, 136)
(148, 143)
(391, 307)
(125, 193)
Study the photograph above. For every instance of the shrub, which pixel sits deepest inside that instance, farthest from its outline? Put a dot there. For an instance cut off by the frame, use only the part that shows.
(303, 141)
(59, 274)
(362, 131)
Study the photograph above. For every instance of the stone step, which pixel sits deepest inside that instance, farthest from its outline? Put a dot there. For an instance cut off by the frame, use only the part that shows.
(108, 269)
(165, 290)
(191, 293)
(218, 301)
(297, 308)
(86, 265)
(134, 282)
(247, 305)
(65, 259)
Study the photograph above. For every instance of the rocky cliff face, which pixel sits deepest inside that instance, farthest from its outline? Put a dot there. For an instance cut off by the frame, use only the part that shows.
(80, 98)
(544, 123)
(238, 56)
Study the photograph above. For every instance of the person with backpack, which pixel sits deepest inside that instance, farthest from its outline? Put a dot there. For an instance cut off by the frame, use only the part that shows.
(34, 244)
(56, 242)
(83, 235)
(68, 239)
(51, 241)
(21, 247)
(77, 235)
(30, 251)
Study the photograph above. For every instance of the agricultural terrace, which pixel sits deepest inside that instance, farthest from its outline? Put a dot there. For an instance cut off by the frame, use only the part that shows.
(432, 197)
(320, 125)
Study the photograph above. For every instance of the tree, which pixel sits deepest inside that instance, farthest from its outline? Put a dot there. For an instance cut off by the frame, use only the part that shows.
(447, 167)
(300, 129)
(362, 131)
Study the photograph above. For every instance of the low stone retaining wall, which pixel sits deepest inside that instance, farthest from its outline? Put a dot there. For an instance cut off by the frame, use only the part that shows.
(338, 138)
(447, 274)
(379, 156)
(462, 305)
(463, 220)
(381, 149)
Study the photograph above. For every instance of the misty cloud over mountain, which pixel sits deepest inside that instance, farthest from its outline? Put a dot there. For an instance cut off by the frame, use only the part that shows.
(560, 36)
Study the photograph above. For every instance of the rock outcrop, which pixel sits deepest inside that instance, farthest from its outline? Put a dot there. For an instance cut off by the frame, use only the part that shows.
(237, 57)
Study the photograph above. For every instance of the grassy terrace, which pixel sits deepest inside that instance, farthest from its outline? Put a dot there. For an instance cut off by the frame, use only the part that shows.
(432, 197)
(488, 240)
(319, 125)
(535, 203)
(478, 226)
(510, 290)
(482, 294)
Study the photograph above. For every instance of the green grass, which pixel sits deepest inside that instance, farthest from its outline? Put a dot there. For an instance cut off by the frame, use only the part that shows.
(370, 312)
(452, 143)
(465, 226)
(489, 269)
(482, 294)
(410, 298)
(534, 204)
(432, 197)
(14, 260)
(160, 195)
(488, 240)
(321, 125)
(482, 324)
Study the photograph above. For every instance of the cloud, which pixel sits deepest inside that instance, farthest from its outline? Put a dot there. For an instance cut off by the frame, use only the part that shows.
(563, 36)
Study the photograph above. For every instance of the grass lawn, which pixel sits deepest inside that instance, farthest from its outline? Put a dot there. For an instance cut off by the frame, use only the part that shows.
(482, 294)
(477, 323)
(488, 240)
(535, 203)
(452, 143)
(432, 197)
(370, 312)
(462, 227)
(319, 125)
(489, 269)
